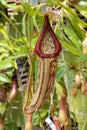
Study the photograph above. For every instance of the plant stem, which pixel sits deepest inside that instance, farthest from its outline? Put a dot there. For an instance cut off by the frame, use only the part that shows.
(28, 28)
(28, 32)
(65, 80)
(29, 40)
(30, 81)
(41, 120)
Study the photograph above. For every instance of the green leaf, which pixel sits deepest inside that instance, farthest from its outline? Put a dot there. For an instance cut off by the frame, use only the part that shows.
(70, 79)
(15, 7)
(66, 7)
(78, 30)
(21, 41)
(9, 62)
(24, 24)
(3, 56)
(14, 127)
(10, 71)
(71, 49)
(6, 63)
(82, 58)
(72, 114)
(82, 9)
(52, 2)
(21, 52)
(31, 28)
(11, 126)
(34, 40)
(4, 78)
(3, 107)
(3, 43)
(67, 44)
(43, 114)
(72, 20)
(2, 50)
(10, 45)
(30, 10)
(35, 22)
(71, 14)
(4, 2)
(61, 73)
(76, 19)
(74, 38)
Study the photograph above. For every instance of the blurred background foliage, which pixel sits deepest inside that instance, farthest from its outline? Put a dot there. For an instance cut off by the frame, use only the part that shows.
(69, 22)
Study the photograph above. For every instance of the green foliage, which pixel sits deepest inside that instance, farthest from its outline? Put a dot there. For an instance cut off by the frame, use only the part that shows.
(11, 126)
(4, 2)
(82, 58)
(4, 79)
(82, 7)
(61, 73)
(3, 107)
(17, 41)
(43, 115)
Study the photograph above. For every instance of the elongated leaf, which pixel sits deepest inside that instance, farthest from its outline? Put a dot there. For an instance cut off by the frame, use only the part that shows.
(7, 62)
(78, 30)
(74, 38)
(11, 126)
(22, 41)
(4, 2)
(11, 5)
(31, 28)
(71, 49)
(2, 49)
(21, 51)
(4, 78)
(24, 24)
(76, 19)
(82, 9)
(1, 57)
(10, 72)
(83, 58)
(3, 43)
(35, 22)
(33, 42)
(5, 65)
(43, 114)
(66, 7)
(4, 55)
(15, 7)
(69, 11)
(70, 79)
(80, 33)
(6, 46)
(30, 10)
(40, 6)
(13, 25)
(52, 2)
(7, 38)
(61, 73)
(66, 44)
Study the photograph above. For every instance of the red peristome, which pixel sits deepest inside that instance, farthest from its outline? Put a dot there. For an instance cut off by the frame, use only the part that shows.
(56, 41)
